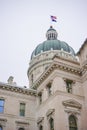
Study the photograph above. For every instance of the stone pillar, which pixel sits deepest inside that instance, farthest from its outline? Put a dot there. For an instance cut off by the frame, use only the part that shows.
(58, 84)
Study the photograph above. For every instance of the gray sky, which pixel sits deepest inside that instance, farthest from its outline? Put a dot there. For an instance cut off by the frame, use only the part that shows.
(23, 25)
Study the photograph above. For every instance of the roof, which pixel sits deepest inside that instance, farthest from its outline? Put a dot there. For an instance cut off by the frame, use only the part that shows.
(52, 43)
(85, 42)
(17, 89)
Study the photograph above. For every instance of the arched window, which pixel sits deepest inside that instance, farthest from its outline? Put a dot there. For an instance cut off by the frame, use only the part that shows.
(41, 127)
(72, 123)
(1, 127)
(51, 121)
(21, 129)
(49, 86)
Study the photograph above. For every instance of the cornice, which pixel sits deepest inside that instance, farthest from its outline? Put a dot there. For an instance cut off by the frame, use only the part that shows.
(49, 112)
(15, 117)
(39, 120)
(66, 59)
(72, 103)
(59, 66)
(84, 68)
(22, 122)
(17, 89)
(3, 120)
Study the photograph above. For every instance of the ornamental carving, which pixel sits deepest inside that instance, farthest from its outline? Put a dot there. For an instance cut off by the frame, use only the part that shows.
(49, 112)
(72, 103)
(40, 120)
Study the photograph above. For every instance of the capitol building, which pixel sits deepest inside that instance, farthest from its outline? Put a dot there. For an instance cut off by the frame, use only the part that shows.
(56, 98)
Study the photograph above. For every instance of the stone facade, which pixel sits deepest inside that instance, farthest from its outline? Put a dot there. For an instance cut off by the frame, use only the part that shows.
(10, 118)
(56, 98)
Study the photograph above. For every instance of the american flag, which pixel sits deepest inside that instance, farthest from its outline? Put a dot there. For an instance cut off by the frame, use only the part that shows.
(54, 18)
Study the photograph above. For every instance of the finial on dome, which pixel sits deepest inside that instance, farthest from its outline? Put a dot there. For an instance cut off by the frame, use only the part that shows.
(51, 33)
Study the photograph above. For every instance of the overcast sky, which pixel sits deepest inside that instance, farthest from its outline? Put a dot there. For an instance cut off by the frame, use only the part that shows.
(23, 25)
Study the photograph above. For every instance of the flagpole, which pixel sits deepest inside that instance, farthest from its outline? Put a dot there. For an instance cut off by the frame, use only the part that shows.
(51, 21)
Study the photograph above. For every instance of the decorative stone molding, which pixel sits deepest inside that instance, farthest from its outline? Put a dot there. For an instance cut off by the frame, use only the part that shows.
(84, 67)
(3, 122)
(73, 81)
(40, 120)
(22, 124)
(72, 112)
(17, 89)
(72, 103)
(50, 112)
(60, 66)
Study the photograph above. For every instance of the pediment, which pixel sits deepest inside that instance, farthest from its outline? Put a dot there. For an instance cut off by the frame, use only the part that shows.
(50, 111)
(21, 122)
(3, 120)
(72, 103)
(40, 119)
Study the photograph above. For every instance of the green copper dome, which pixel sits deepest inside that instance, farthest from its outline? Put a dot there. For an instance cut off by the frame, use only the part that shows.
(52, 43)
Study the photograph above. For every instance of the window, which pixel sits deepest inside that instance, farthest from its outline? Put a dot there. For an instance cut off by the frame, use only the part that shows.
(49, 89)
(51, 121)
(21, 129)
(72, 123)
(22, 109)
(2, 105)
(41, 127)
(40, 97)
(69, 86)
(1, 128)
